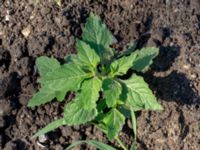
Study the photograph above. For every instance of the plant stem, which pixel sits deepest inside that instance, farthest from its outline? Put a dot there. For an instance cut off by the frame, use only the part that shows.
(120, 143)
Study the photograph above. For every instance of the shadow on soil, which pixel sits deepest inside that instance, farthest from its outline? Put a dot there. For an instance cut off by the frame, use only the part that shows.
(175, 86)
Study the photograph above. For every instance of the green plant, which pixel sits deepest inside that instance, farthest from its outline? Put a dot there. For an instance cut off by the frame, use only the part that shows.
(103, 97)
(93, 143)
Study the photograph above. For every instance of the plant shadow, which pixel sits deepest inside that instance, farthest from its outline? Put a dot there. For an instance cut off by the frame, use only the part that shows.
(175, 86)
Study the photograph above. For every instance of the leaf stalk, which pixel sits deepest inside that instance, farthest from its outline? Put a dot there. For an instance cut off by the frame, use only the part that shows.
(122, 145)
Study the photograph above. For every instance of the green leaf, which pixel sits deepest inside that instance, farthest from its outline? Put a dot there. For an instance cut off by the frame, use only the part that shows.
(43, 96)
(51, 126)
(101, 105)
(75, 114)
(121, 65)
(144, 58)
(86, 55)
(60, 95)
(139, 95)
(70, 58)
(89, 93)
(101, 126)
(134, 146)
(112, 90)
(98, 37)
(46, 64)
(94, 143)
(67, 77)
(57, 83)
(134, 123)
(124, 110)
(113, 121)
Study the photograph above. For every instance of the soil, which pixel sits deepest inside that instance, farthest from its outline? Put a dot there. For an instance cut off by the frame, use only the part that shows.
(29, 29)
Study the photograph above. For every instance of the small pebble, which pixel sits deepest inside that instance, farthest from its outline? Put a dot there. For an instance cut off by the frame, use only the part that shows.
(58, 2)
(7, 17)
(32, 16)
(24, 99)
(114, 40)
(43, 141)
(61, 140)
(66, 131)
(171, 44)
(186, 67)
(43, 138)
(26, 31)
(193, 76)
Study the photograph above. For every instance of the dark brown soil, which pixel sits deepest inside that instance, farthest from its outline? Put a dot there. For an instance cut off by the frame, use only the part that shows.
(171, 25)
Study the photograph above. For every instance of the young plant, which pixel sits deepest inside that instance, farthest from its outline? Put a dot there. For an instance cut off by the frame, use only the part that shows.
(103, 98)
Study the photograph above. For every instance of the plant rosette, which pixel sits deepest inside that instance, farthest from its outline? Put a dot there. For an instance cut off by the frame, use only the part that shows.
(95, 70)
